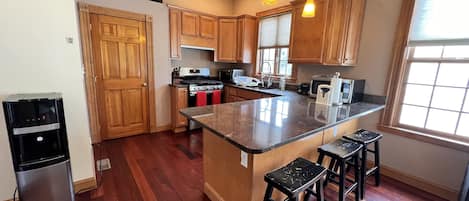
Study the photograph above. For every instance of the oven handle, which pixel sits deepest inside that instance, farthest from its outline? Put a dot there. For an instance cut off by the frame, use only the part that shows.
(193, 93)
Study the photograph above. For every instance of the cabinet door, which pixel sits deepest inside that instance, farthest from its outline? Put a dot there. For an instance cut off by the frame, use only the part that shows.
(308, 34)
(247, 39)
(226, 51)
(175, 33)
(190, 24)
(181, 104)
(354, 30)
(336, 32)
(208, 27)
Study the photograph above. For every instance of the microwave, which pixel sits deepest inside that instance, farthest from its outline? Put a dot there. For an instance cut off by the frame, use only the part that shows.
(352, 90)
(228, 75)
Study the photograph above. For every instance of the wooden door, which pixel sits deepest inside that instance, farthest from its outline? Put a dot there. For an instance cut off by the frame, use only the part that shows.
(208, 27)
(247, 36)
(190, 24)
(307, 35)
(227, 40)
(121, 70)
(354, 31)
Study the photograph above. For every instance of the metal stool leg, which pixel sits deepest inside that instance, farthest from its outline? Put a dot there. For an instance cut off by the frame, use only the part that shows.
(377, 164)
(268, 193)
(329, 175)
(320, 190)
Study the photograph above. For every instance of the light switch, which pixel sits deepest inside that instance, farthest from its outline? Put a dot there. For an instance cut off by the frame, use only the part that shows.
(244, 159)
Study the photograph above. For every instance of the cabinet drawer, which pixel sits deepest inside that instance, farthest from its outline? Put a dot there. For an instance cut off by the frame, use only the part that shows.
(249, 95)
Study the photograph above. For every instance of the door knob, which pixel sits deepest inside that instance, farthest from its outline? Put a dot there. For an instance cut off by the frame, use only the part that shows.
(144, 84)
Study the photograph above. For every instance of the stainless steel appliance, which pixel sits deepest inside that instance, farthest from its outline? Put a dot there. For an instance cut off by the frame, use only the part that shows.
(229, 75)
(352, 89)
(39, 147)
(198, 80)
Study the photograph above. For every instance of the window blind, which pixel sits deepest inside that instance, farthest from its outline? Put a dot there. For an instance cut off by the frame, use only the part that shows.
(440, 22)
(275, 31)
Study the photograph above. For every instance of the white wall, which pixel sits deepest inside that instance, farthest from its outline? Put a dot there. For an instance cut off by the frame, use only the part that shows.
(35, 57)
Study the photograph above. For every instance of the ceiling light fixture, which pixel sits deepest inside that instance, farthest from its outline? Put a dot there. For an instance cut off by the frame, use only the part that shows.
(269, 2)
(310, 9)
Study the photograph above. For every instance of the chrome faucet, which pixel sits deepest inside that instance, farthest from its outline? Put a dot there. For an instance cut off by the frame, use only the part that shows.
(263, 76)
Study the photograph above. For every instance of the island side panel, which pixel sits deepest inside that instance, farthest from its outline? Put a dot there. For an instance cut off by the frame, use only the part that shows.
(224, 177)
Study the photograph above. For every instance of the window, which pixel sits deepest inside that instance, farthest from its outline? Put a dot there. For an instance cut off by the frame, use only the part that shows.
(274, 41)
(432, 96)
(435, 94)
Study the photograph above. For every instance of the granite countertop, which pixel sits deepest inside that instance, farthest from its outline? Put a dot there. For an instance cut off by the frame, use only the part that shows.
(257, 126)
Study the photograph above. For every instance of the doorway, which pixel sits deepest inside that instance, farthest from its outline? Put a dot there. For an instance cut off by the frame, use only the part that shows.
(118, 60)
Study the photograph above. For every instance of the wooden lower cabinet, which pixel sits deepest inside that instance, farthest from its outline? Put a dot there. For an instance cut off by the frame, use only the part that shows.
(178, 101)
(234, 94)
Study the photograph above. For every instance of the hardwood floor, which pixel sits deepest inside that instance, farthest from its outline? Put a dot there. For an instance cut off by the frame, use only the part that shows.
(168, 167)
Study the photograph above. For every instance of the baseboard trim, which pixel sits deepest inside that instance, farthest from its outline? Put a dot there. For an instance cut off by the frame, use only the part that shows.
(435, 189)
(162, 128)
(211, 193)
(85, 185)
(80, 186)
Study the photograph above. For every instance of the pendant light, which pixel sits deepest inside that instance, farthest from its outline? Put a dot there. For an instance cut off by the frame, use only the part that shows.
(310, 9)
(269, 2)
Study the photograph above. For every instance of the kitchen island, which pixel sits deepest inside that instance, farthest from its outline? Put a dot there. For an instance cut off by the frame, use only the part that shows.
(244, 140)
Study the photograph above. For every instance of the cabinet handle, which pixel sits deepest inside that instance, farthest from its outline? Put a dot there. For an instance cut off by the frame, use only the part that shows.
(144, 84)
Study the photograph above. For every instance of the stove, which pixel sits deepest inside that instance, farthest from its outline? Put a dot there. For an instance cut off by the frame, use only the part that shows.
(198, 79)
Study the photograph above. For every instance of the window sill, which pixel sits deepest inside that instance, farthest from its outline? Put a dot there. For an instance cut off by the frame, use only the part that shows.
(432, 139)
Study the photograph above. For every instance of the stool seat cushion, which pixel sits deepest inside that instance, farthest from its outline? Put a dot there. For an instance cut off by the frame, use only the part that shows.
(364, 136)
(341, 148)
(296, 176)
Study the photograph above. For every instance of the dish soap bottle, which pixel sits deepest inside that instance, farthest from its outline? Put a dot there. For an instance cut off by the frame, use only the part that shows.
(336, 85)
(282, 83)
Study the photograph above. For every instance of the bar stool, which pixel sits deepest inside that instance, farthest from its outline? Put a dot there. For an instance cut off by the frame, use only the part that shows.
(295, 178)
(342, 151)
(365, 138)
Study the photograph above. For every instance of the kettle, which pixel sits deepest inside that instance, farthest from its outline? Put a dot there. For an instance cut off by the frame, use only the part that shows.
(324, 95)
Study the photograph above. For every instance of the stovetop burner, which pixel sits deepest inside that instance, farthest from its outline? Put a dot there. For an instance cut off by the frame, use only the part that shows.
(201, 82)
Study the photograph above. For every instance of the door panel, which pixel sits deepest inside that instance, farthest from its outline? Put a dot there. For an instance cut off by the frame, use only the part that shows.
(119, 48)
(208, 27)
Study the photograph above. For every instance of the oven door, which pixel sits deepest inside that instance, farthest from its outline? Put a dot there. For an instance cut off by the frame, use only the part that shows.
(192, 100)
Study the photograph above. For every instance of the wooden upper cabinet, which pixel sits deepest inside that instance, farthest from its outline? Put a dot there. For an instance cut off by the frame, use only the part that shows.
(354, 31)
(208, 27)
(307, 34)
(190, 24)
(175, 33)
(192, 29)
(332, 37)
(237, 39)
(246, 38)
(227, 39)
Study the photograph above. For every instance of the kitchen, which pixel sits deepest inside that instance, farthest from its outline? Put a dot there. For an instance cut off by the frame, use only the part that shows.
(375, 56)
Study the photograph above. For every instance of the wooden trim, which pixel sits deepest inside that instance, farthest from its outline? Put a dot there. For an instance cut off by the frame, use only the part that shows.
(432, 188)
(211, 193)
(164, 128)
(87, 52)
(85, 185)
(423, 137)
(150, 74)
(397, 69)
(192, 11)
(113, 12)
(275, 11)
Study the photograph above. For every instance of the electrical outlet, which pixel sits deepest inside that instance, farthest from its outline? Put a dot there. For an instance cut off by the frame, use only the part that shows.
(244, 159)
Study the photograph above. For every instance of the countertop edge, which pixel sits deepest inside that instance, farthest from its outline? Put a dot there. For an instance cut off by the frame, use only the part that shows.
(301, 136)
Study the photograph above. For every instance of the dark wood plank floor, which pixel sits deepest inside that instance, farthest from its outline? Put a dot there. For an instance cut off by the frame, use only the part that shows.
(168, 167)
